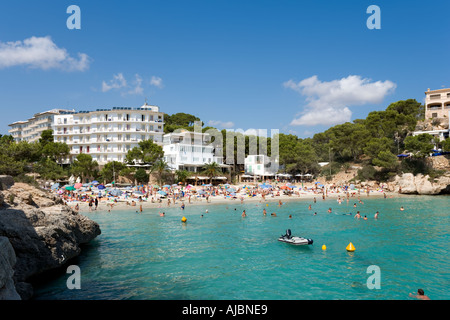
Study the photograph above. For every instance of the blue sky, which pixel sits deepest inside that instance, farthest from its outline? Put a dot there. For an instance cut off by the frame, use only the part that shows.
(296, 66)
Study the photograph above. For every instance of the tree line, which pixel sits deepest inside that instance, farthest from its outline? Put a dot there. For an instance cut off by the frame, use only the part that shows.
(373, 142)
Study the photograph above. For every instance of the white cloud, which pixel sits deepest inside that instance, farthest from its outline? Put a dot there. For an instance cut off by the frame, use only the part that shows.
(328, 102)
(138, 86)
(118, 81)
(221, 124)
(40, 53)
(157, 82)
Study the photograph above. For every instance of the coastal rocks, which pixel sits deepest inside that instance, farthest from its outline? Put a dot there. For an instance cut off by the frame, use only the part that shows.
(6, 182)
(44, 233)
(7, 262)
(421, 184)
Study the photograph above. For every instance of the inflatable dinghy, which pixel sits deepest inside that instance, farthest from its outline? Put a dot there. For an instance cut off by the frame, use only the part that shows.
(297, 241)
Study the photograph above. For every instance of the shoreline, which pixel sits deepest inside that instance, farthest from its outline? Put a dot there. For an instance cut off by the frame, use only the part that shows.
(104, 205)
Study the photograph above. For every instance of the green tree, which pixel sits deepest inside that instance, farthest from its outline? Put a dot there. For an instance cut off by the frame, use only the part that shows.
(46, 137)
(148, 152)
(211, 170)
(160, 167)
(182, 175)
(385, 159)
(421, 145)
(179, 120)
(376, 145)
(50, 170)
(111, 171)
(446, 145)
(57, 151)
(84, 167)
(141, 176)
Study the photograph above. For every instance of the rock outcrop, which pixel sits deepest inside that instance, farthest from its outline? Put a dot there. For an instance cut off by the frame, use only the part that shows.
(7, 263)
(43, 232)
(420, 184)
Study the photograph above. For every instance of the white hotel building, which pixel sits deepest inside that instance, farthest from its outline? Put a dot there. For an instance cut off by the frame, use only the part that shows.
(30, 130)
(189, 151)
(108, 134)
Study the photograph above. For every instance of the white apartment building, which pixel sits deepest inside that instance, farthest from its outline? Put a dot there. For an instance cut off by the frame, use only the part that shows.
(108, 134)
(31, 129)
(189, 151)
(437, 103)
(260, 165)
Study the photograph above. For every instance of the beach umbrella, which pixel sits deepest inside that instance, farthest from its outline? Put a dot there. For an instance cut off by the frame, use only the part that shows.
(55, 186)
(162, 193)
(201, 192)
(95, 182)
(78, 185)
(116, 192)
(101, 187)
(166, 186)
(70, 188)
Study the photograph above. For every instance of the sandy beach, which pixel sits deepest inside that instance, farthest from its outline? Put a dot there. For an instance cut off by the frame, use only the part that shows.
(105, 204)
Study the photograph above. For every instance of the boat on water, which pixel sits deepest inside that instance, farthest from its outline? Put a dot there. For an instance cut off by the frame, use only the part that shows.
(297, 241)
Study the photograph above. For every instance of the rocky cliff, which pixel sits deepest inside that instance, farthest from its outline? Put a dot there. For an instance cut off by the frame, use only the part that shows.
(43, 233)
(408, 183)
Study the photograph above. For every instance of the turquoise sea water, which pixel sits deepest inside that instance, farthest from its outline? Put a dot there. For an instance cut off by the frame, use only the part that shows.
(224, 256)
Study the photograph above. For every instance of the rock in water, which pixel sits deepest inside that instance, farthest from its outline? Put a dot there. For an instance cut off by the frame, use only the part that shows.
(43, 232)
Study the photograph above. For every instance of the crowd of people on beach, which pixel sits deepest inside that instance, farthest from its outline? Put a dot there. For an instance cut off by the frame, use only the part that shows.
(95, 194)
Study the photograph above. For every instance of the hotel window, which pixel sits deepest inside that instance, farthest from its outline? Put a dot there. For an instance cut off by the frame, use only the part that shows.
(151, 118)
(142, 117)
(142, 137)
(128, 137)
(65, 120)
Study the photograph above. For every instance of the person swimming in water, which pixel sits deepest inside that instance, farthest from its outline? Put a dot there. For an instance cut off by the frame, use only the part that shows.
(420, 295)
(357, 215)
(244, 214)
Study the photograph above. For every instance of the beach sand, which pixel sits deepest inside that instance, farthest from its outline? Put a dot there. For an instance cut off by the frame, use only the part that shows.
(105, 205)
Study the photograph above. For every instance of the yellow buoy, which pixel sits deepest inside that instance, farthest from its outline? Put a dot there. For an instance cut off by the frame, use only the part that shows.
(183, 219)
(267, 204)
(350, 247)
(324, 247)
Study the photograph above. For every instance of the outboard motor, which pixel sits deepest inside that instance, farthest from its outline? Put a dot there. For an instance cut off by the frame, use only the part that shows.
(288, 233)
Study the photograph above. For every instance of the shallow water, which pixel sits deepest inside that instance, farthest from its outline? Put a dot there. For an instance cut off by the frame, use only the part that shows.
(224, 256)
